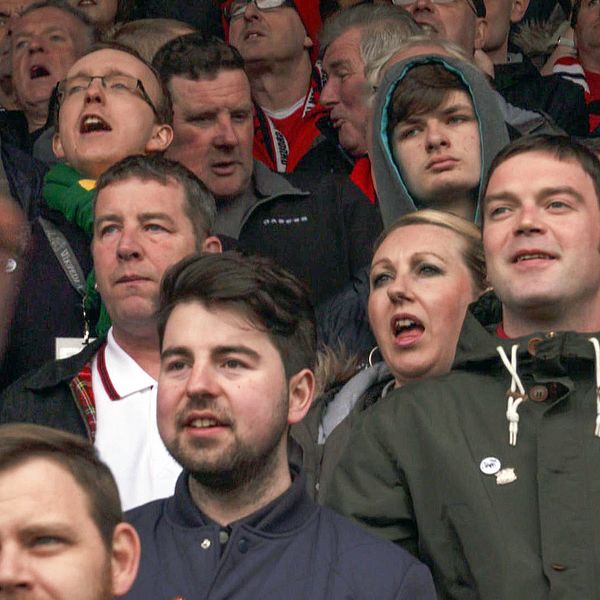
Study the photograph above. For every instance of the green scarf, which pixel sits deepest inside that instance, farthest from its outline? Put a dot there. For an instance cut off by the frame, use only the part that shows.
(67, 192)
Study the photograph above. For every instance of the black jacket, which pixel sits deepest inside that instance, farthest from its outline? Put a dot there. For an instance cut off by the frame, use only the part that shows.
(290, 549)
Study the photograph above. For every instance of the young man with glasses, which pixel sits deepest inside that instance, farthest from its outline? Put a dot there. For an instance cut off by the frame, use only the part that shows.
(278, 42)
(118, 108)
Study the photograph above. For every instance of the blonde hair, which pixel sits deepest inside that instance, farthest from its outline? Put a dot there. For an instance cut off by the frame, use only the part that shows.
(473, 254)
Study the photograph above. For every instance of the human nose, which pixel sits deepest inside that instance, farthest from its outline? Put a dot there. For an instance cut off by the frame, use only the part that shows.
(14, 577)
(399, 289)
(36, 44)
(329, 93)
(202, 382)
(128, 246)
(529, 220)
(435, 135)
(95, 91)
(252, 11)
(226, 134)
(418, 5)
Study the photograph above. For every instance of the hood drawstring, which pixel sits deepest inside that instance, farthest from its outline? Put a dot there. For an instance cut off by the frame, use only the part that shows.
(514, 398)
(596, 345)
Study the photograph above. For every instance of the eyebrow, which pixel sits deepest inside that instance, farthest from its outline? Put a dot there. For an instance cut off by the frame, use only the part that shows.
(416, 255)
(142, 218)
(336, 64)
(86, 73)
(51, 29)
(543, 193)
(217, 351)
(461, 107)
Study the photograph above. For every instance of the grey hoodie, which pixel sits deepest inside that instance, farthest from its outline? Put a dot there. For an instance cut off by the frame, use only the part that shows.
(394, 197)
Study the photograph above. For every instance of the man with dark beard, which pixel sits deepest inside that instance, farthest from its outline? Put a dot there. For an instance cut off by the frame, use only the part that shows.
(237, 351)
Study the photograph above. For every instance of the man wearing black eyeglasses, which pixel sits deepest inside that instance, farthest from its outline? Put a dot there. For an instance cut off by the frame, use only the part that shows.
(278, 42)
(111, 105)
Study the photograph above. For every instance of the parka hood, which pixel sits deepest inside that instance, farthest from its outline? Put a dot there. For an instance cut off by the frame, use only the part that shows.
(394, 197)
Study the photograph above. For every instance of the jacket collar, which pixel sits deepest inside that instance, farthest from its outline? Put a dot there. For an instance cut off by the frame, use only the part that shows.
(289, 511)
(267, 183)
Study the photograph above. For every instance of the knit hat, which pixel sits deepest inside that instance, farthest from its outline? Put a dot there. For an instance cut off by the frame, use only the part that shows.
(310, 15)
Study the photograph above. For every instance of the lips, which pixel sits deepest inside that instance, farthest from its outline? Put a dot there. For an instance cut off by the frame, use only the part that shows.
(131, 279)
(224, 167)
(93, 123)
(204, 421)
(441, 163)
(532, 256)
(406, 329)
(253, 34)
(37, 71)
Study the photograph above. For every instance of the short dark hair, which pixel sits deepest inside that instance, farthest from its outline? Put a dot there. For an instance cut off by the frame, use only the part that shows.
(20, 442)
(423, 89)
(200, 205)
(88, 26)
(196, 56)
(561, 147)
(271, 298)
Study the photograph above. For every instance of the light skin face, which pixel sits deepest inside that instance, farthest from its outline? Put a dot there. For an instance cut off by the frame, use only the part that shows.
(138, 234)
(224, 406)
(124, 123)
(44, 45)
(587, 34)
(214, 130)
(499, 16)
(542, 236)
(269, 36)
(344, 91)
(438, 154)
(50, 548)
(420, 290)
(100, 12)
(455, 22)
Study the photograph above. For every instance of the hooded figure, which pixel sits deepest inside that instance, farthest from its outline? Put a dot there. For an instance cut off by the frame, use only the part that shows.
(394, 193)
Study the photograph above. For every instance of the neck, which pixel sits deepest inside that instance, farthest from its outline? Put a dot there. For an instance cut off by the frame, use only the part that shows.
(142, 346)
(36, 115)
(590, 61)
(555, 317)
(460, 206)
(227, 505)
(499, 56)
(278, 86)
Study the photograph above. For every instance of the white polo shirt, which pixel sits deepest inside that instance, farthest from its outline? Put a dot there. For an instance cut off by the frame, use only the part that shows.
(127, 436)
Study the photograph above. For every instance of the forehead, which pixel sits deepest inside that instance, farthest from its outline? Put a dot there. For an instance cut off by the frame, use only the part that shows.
(452, 99)
(344, 47)
(217, 326)
(45, 18)
(230, 88)
(105, 61)
(531, 172)
(421, 239)
(134, 196)
(39, 490)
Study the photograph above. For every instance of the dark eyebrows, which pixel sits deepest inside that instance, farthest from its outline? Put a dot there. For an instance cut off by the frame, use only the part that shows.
(151, 216)
(217, 352)
(110, 217)
(543, 193)
(175, 351)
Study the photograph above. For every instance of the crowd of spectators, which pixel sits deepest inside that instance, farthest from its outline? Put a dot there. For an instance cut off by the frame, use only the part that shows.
(298, 299)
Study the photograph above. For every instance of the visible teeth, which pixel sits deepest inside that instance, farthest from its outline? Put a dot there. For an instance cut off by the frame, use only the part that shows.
(402, 323)
(93, 121)
(203, 423)
(531, 256)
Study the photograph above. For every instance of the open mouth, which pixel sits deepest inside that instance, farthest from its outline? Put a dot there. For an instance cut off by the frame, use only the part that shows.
(38, 71)
(87, 3)
(407, 330)
(530, 256)
(93, 123)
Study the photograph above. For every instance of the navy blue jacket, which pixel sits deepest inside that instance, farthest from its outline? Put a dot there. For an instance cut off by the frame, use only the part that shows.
(292, 548)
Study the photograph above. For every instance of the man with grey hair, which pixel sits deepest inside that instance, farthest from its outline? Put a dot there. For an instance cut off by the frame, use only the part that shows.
(350, 39)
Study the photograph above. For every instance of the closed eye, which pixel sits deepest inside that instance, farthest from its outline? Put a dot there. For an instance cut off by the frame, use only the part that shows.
(380, 279)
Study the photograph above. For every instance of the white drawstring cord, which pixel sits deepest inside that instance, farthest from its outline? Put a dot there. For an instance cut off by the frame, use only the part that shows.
(514, 398)
(596, 345)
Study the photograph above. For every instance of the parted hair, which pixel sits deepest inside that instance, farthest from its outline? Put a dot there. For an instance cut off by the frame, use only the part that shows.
(200, 204)
(561, 147)
(272, 299)
(470, 234)
(20, 442)
(196, 56)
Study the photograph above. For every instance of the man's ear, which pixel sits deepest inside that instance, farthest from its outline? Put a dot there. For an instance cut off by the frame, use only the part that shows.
(480, 33)
(161, 139)
(308, 43)
(519, 8)
(57, 146)
(125, 558)
(301, 388)
(212, 245)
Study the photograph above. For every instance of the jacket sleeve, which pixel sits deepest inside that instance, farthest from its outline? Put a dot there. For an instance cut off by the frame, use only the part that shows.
(368, 485)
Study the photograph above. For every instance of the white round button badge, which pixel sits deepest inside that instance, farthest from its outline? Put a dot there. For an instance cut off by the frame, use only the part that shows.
(490, 465)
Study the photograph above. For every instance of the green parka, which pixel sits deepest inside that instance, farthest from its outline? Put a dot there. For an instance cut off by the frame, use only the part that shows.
(431, 467)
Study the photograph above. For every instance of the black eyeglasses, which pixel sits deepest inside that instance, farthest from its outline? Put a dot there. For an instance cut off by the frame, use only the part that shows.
(238, 7)
(114, 83)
